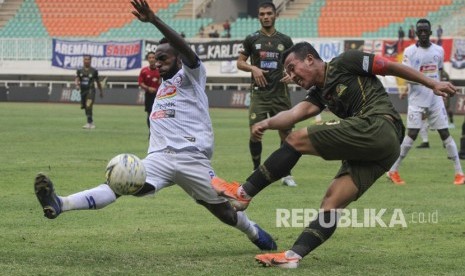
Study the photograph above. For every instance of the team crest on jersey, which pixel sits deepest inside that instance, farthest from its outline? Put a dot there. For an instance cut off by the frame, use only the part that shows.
(340, 88)
(177, 81)
(258, 46)
(280, 47)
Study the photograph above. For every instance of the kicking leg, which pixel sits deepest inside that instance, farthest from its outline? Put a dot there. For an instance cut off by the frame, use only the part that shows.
(226, 213)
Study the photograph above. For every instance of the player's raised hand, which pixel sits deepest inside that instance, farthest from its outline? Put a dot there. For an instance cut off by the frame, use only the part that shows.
(444, 89)
(143, 12)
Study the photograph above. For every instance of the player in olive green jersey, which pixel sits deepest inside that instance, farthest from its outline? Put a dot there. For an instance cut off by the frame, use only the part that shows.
(269, 93)
(366, 138)
(85, 80)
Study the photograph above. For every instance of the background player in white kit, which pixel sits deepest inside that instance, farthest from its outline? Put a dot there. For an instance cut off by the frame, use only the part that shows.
(427, 58)
(181, 140)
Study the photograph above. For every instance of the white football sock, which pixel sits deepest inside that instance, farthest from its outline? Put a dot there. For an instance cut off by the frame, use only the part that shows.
(404, 149)
(452, 153)
(246, 226)
(95, 198)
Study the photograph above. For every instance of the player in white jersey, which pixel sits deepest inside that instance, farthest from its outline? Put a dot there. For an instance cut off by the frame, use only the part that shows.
(427, 58)
(181, 140)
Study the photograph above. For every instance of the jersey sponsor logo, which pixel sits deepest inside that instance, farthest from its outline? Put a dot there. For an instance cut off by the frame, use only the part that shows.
(269, 64)
(167, 113)
(266, 55)
(428, 69)
(166, 92)
(164, 105)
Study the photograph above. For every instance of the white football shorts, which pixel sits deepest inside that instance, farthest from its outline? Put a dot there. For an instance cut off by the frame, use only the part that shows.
(192, 171)
(436, 116)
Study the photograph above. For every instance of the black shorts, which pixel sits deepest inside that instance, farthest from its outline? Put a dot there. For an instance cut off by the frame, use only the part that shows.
(263, 105)
(368, 146)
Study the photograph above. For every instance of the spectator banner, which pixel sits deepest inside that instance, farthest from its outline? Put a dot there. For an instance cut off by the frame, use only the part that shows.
(208, 51)
(111, 55)
(327, 49)
(458, 54)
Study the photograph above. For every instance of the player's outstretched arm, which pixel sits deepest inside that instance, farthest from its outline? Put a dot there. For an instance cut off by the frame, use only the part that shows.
(145, 14)
(440, 88)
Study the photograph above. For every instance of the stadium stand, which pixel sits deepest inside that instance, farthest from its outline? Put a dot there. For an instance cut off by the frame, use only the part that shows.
(111, 19)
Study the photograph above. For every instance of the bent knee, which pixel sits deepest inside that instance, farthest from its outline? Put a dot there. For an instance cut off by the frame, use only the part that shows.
(300, 141)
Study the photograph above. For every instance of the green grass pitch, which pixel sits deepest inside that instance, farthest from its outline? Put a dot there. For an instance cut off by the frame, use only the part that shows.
(169, 234)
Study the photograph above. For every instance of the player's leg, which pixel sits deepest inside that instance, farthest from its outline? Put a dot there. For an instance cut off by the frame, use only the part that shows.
(83, 106)
(158, 173)
(53, 205)
(438, 120)
(239, 220)
(352, 180)
(194, 173)
(462, 142)
(415, 117)
(281, 103)
(341, 192)
(258, 111)
(424, 135)
(89, 108)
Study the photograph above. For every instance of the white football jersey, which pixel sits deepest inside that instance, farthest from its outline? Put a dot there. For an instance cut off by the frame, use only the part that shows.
(428, 61)
(180, 119)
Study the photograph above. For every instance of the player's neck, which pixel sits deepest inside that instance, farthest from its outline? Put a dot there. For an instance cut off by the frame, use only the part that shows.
(268, 31)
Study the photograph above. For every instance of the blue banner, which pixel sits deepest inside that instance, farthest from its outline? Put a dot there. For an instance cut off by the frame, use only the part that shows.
(110, 55)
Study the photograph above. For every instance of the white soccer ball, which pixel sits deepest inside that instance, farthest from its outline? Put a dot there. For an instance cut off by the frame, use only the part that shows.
(125, 174)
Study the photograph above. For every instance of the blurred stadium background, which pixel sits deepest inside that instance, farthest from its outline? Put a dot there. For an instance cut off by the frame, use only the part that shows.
(42, 41)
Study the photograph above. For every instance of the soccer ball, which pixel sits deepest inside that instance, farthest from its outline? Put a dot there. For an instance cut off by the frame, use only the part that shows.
(125, 174)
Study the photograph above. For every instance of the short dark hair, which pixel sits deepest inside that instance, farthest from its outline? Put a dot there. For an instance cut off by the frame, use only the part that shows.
(267, 4)
(149, 53)
(424, 20)
(165, 40)
(301, 50)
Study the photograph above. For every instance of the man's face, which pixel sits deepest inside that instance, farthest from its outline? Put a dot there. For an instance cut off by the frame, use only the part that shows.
(300, 71)
(423, 33)
(151, 60)
(267, 17)
(87, 61)
(166, 61)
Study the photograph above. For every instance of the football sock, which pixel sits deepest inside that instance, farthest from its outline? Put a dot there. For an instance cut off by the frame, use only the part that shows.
(316, 233)
(95, 198)
(256, 153)
(278, 165)
(424, 132)
(404, 149)
(246, 226)
(452, 153)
